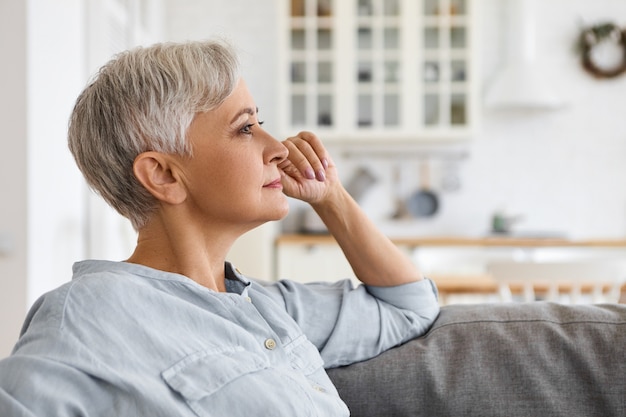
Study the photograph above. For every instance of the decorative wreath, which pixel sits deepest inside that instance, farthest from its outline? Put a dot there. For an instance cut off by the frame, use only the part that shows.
(592, 37)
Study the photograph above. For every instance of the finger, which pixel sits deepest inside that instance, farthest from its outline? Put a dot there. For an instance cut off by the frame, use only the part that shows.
(289, 169)
(308, 154)
(316, 144)
(297, 160)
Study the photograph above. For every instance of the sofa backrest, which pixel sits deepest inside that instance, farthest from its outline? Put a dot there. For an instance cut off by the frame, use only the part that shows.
(512, 359)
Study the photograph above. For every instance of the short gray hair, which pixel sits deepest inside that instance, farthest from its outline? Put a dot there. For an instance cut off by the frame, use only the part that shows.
(145, 100)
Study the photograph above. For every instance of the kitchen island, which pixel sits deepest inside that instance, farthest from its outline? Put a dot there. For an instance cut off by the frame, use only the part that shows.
(459, 265)
(494, 240)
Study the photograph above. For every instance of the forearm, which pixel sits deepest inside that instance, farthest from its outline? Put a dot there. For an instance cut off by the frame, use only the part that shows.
(373, 257)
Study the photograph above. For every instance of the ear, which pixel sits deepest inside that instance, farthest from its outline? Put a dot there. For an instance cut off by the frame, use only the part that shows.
(154, 171)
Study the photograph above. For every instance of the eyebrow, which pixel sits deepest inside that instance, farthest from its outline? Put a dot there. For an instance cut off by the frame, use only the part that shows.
(247, 110)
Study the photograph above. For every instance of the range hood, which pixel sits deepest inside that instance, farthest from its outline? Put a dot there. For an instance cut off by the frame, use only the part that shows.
(521, 83)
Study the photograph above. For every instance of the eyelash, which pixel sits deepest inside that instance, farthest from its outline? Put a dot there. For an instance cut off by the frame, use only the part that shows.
(246, 129)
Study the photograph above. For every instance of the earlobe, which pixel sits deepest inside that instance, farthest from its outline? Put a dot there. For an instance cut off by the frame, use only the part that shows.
(154, 171)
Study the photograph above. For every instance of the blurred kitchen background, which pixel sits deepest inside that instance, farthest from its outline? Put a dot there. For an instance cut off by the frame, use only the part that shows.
(448, 119)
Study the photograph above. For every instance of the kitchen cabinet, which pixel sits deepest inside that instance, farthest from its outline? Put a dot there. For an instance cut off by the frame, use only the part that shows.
(312, 263)
(381, 70)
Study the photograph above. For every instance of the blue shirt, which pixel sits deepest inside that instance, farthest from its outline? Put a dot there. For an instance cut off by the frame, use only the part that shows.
(127, 340)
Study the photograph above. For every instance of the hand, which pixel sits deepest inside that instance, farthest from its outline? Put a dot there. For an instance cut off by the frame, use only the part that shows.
(308, 173)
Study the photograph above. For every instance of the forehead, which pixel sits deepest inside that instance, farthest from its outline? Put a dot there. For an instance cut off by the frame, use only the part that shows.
(237, 106)
(239, 101)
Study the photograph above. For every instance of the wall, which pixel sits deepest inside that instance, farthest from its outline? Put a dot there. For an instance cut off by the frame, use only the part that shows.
(12, 175)
(56, 192)
(42, 210)
(562, 170)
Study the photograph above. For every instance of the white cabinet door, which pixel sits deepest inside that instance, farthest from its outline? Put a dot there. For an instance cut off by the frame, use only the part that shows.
(380, 70)
(306, 263)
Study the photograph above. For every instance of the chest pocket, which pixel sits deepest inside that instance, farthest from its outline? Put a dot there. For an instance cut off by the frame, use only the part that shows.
(200, 375)
(304, 356)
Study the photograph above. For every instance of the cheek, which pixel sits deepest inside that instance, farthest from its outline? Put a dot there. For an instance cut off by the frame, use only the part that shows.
(236, 175)
(226, 173)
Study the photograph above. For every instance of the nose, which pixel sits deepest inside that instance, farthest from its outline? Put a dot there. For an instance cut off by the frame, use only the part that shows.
(275, 151)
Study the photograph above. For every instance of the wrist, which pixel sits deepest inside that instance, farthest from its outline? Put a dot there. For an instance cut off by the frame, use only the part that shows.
(334, 202)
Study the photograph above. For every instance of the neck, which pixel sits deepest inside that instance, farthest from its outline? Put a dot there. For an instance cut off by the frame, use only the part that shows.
(190, 251)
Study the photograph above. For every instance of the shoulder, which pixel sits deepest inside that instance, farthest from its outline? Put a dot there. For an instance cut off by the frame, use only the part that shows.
(101, 294)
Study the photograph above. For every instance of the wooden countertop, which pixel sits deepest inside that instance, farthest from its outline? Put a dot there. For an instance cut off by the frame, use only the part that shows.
(486, 284)
(323, 239)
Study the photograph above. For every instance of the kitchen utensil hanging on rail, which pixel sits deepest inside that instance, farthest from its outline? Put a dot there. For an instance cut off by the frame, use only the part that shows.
(424, 202)
(400, 211)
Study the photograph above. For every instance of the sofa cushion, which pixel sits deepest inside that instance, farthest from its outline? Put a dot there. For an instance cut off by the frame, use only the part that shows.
(535, 359)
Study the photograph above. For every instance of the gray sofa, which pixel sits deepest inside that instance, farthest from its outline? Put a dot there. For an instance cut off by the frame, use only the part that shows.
(536, 359)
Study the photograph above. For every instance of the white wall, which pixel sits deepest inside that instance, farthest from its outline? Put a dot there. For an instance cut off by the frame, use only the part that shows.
(42, 208)
(56, 193)
(12, 170)
(563, 170)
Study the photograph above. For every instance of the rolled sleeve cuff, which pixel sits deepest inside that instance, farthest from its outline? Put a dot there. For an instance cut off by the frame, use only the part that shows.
(412, 296)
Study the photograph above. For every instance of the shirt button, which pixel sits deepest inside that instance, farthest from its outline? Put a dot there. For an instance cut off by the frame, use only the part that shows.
(248, 299)
(270, 344)
(318, 388)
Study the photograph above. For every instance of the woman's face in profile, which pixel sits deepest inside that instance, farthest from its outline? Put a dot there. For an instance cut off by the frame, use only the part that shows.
(233, 177)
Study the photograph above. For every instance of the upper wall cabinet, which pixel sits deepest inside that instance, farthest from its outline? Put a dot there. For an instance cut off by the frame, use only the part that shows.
(380, 70)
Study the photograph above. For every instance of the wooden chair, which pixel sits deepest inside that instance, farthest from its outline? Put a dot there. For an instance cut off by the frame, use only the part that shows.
(573, 282)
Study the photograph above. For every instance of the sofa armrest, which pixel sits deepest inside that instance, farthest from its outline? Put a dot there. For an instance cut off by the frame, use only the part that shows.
(499, 360)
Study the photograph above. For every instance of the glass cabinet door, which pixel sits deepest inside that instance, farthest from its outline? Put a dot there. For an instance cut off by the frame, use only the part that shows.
(378, 66)
(312, 41)
(380, 69)
(445, 63)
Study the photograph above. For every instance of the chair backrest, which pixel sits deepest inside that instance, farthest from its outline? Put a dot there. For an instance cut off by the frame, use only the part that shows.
(570, 282)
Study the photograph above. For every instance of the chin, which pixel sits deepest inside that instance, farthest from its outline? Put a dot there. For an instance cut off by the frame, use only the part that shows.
(280, 214)
(275, 215)
(274, 211)
(282, 210)
(281, 217)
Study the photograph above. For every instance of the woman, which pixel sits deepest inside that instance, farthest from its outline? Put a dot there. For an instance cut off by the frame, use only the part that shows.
(170, 137)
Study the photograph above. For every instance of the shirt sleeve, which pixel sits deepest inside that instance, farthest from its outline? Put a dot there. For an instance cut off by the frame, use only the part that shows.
(350, 324)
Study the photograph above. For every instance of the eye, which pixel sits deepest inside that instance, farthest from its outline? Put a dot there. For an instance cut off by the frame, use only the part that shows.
(247, 129)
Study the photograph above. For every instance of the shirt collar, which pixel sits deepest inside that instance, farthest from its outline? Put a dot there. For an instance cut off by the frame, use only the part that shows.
(236, 282)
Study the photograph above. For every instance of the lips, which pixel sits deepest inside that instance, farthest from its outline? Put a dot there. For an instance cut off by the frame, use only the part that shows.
(274, 184)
